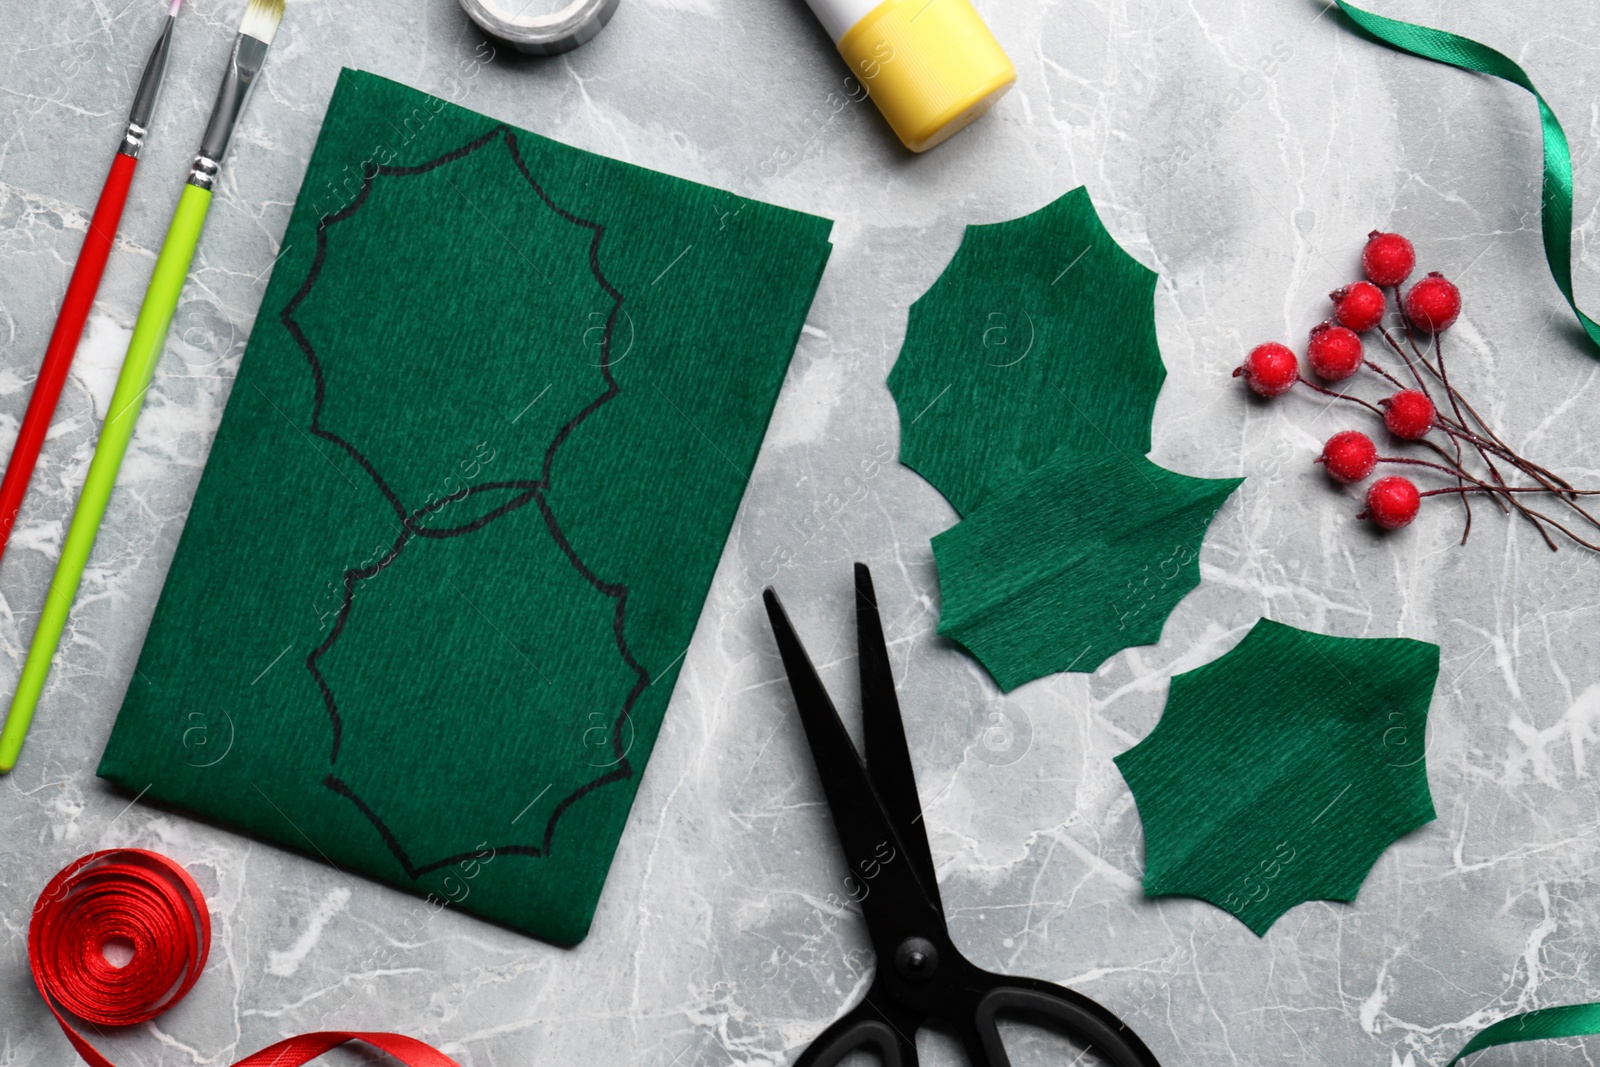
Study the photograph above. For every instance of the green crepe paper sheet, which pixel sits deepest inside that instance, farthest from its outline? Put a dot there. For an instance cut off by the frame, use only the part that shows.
(1280, 772)
(1039, 334)
(464, 506)
(1038, 580)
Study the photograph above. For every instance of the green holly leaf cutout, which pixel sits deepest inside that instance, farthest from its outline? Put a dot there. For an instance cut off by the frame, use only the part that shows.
(1067, 565)
(1039, 334)
(1280, 772)
(1026, 386)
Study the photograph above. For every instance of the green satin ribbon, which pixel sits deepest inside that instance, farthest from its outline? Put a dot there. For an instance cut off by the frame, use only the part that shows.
(1569, 1020)
(1457, 51)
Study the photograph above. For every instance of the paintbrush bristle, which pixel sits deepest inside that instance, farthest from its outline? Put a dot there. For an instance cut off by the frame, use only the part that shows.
(173, 9)
(261, 19)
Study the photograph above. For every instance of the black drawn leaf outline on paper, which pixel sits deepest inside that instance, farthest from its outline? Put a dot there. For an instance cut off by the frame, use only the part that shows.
(525, 491)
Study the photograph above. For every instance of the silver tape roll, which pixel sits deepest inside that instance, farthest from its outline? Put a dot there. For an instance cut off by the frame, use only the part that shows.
(542, 35)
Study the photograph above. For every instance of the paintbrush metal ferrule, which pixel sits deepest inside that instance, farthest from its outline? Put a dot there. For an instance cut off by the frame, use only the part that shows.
(144, 100)
(245, 61)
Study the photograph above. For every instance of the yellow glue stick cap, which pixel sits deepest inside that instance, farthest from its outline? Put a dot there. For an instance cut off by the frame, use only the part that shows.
(932, 66)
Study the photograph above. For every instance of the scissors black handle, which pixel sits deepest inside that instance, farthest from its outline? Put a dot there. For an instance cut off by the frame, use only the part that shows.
(861, 1028)
(1094, 1026)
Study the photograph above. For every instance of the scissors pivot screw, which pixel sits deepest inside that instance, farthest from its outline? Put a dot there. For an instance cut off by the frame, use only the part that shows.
(916, 959)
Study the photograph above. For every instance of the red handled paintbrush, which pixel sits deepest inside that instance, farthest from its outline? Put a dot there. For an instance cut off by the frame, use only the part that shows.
(83, 286)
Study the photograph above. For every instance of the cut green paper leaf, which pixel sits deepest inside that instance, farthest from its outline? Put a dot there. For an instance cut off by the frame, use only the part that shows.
(1063, 567)
(1280, 772)
(1039, 334)
(1025, 387)
(1464, 53)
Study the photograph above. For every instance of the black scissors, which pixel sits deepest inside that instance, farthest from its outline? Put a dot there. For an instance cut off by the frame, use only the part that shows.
(922, 979)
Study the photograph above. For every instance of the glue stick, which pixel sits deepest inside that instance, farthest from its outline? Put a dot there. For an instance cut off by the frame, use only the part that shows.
(932, 66)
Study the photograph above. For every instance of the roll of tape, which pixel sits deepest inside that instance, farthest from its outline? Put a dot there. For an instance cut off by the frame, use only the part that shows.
(542, 35)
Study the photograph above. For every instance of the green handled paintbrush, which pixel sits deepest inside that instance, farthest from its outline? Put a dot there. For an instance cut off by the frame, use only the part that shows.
(260, 23)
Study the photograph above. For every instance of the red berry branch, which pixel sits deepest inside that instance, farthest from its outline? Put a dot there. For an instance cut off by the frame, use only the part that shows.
(1467, 451)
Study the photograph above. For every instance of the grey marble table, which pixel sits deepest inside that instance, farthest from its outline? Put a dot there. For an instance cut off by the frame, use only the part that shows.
(1242, 151)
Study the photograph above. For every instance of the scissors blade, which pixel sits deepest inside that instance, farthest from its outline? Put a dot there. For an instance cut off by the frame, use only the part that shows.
(884, 734)
(889, 890)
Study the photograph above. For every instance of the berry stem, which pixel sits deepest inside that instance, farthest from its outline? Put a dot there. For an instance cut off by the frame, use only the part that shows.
(1455, 459)
(1466, 503)
(1454, 471)
(1478, 487)
(1559, 486)
(1535, 516)
(1502, 493)
(1410, 366)
(1455, 464)
(1455, 405)
(1325, 391)
(1411, 339)
(1461, 475)
(1389, 377)
(1531, 468)
(1456, 401)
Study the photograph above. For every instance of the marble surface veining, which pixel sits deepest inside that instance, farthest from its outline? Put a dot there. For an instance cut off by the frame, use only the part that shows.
(1242, 150)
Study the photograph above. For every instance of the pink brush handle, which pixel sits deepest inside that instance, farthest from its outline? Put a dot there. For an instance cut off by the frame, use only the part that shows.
(64, 340)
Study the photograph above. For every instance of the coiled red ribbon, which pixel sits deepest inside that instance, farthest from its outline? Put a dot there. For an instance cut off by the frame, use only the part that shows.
(133, 898)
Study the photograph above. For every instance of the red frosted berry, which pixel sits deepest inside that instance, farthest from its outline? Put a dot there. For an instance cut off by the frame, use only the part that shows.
(1334, 351)
(1388, 258)
(1392, 502)
(1349, 456)
(1408, 414)
(1433, 303)
(1269, 369)
(1359, 305)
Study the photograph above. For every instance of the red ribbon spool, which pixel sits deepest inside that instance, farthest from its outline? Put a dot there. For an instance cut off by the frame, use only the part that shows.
(133, 898)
